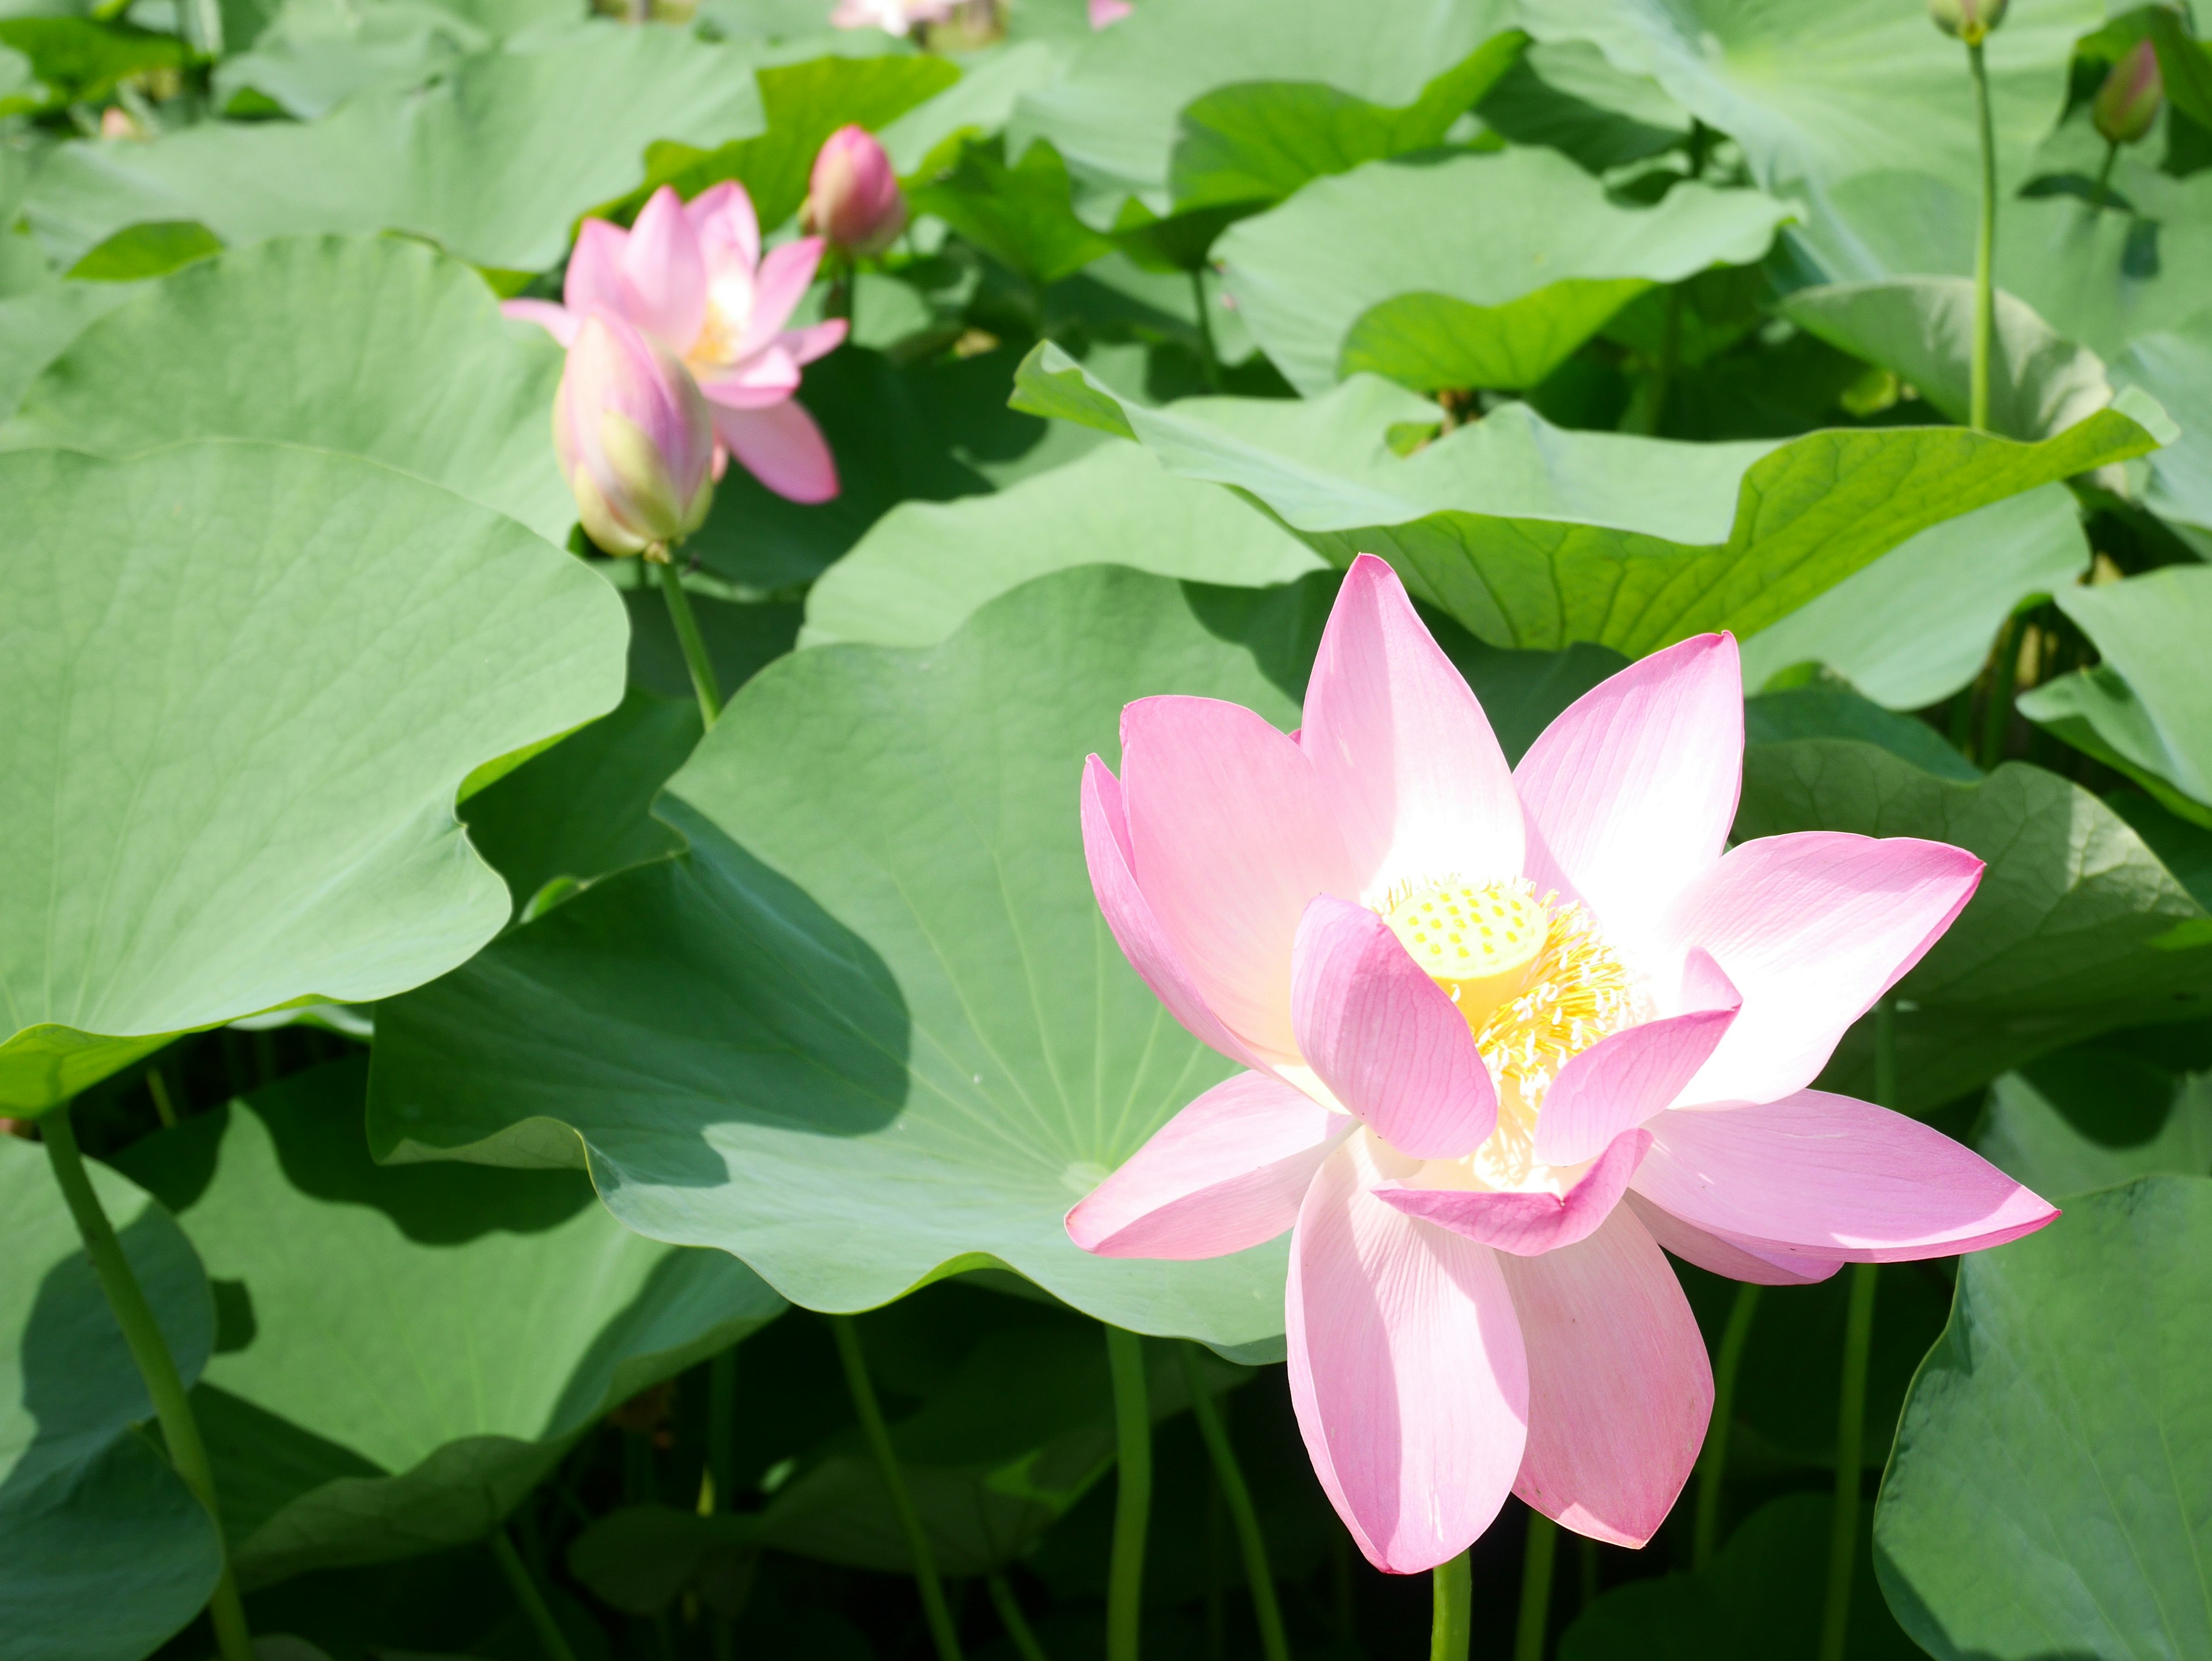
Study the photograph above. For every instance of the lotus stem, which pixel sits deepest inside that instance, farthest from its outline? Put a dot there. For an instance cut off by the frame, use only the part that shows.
(1451, 1609)
(721, 1416)
(1133, 1436)
(172, 1408)
(1712, 1463)
(934, 1608)
(1997, 713)
(1267, 1613)
(688, 636)
(534, 1606)
(1019, 1633)
(1542, 1545)
(1985, 251)
(2102, 194)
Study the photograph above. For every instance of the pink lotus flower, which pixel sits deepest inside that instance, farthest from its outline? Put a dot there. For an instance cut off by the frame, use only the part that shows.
(633, 437)
(1509, 1033)
(891, 16)
(692, 276)
(1106, 13)
(852, 197)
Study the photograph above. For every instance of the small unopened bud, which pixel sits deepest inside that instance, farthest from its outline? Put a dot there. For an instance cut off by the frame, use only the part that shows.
(2127, 103)
(634, 437)
(853, 199)
(1969, 19)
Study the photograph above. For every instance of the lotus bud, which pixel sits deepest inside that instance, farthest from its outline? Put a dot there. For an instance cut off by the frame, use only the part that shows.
(2128, 102)
(1969, 19)
(853, 199)
(634, 438)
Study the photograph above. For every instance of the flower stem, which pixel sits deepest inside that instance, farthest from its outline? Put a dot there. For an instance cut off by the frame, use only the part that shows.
(721, 1416)
(1451, 1609)
(933, 1608)
(1267, 1613)
(1985, 251)
(1996, 709)
(1133, 1436)
(1019, 1634)
(1851, 1438)
(534, 1607)
(1543, 1541)
(172, 1408)
(694, 644)
(1712, 1463)
(2098, 197)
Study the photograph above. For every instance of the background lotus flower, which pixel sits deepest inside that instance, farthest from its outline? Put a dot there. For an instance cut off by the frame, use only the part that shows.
(634, 437)
(1970, 21)
(1509, 1033)
(891, 16)
(1106, 13)
(2127, 104)
(852, 198)
(692, 275)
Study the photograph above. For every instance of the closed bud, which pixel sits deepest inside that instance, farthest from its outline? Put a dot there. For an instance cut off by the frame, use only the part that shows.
(1969, 19)
(853, 199)
(2128, 102)
(634, 437)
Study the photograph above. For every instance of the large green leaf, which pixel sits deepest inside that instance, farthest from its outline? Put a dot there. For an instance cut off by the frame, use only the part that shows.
(2047, 1493)
(925, 567)
(107, 1551)
(246, 682)
(36, 324)
(316, 54)
(1468, 270)
(1565, 94)
(2033, 1131)
(1532, 536)
(1020, 214)
(2146, 708)
(420, 1344)
(492, 163)
(80, 61)
(374, 346)
(2175, 367)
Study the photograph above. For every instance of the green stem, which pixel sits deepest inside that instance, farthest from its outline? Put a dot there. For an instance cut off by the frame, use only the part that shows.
(1712, 1463)
(1019, 1634)
(1985, 251)
(934, 1608)
(1851, 1438)
(1543, 1542)
(2098, 197)
(1265, 1611)
(172, 1408)
(1451, 1608)
(1132, 1439)
(722, 1425)
(158, 1088)
(2004, 675)
(534, 1607)
(688, 636)
(1209, 354)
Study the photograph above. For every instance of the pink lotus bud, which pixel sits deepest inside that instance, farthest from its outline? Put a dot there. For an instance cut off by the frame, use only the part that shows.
(1971, 20)
(634, 437)
(1104, 14)
(853, 199)
(2128, 102)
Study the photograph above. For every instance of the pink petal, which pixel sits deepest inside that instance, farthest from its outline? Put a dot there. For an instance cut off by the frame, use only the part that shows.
(1812, 928)
(556, 320)
(1619, 1391)
(728, 229)
(1402, 753)
(666, 271)
(1406, 1369)
(782, 447)
(1718, 1256)
(1150, 952)
(1230, 841)
(1631, 790)
(815, 340)
(1526, 1224)
(781, 284)
(1387, 1041)
(1622, 1080)
(1226, 1173)
(1827, 1177)
(766, 378)
(595, 273)
(1104, 14)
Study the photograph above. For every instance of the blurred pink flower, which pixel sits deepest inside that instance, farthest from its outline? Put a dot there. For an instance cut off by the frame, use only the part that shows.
(692, 276)
(633, 436)
(853, 199)
(1509, 1033)
(891, 16)
(1105, 13)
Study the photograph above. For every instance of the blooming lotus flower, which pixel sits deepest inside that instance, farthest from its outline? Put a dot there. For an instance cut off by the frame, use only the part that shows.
(2127, 104)
(852, 197)
(633, 437)
(1105, 13)
(692, 276)
(891, 16)
(1507, 1033)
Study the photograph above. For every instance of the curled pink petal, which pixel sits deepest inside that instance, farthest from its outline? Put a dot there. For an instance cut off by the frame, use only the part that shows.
(556, 320)
(1811, 928)
(1727, 1257)
(666, 271)
(1405, 1368)
(1621, 1081)
(1526, 1224)
(778, 287)
(766, 378)
(595, 274)
(782, 447)
(1387, 1041)
(1226, 1173)
(815, 340)
(1402, 754)
(1827, 1177)
(1619, 1390)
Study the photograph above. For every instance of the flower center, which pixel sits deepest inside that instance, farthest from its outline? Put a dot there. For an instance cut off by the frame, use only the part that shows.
(729, 311)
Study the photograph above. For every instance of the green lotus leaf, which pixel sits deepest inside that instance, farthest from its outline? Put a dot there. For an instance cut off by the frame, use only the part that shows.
(79, 60)
(1565, 95)
(38, 322)
(107, 1551)
(315, 54)
(1469, 269)
(1020, 213)
(2035, 1130)
(372, 346)
(2175, 367)
(2045, 1495)
(247, 683)
(1532, 536)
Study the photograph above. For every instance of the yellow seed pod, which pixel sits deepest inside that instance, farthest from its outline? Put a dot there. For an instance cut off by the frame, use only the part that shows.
(1478, 943)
